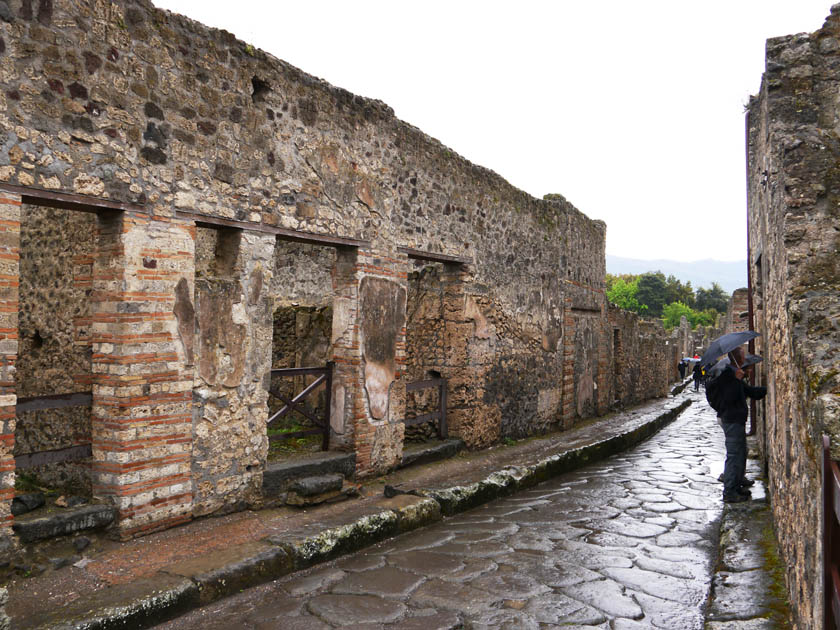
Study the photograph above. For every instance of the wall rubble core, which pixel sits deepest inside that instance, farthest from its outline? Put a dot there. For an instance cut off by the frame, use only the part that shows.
(225, 185)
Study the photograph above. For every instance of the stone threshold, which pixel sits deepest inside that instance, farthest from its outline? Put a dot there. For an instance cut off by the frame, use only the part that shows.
(193, 583)
(279, 475)
(32, 527)
(428, 452)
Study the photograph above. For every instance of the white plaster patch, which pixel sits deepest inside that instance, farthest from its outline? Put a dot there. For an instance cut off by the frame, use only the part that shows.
(239, 314)
(337, 408)
(548, 403)
(483, 329)
(378, 379)
(342, 318)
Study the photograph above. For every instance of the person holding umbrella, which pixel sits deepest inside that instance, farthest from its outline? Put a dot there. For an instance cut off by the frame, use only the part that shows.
(698, 375)
(729, 398)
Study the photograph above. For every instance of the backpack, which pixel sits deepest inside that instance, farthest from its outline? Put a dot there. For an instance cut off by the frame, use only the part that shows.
(714, 394)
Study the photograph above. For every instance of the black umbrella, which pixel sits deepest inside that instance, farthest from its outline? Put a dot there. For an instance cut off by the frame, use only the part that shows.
(715, 371)
(751, 359)
(726, 344)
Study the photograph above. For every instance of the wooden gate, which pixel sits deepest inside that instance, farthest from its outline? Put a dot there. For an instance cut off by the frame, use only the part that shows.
(440, 414)
(321, 424)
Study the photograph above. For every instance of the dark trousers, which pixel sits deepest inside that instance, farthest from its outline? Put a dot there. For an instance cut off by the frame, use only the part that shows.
(736, 456)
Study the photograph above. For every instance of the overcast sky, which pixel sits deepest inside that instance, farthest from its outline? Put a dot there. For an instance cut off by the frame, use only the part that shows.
(634, 111)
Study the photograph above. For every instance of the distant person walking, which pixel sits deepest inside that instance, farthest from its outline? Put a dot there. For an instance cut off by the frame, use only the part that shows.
(698, 375)
(682, 367)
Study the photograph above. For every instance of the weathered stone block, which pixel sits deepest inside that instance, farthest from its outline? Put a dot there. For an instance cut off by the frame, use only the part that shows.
(64, 523)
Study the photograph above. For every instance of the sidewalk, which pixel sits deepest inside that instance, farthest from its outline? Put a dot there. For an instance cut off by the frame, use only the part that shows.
(141, 582)
(748, 591)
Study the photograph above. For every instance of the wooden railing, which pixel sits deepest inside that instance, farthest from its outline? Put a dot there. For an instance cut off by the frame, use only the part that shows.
(831, 539)
(440, 414)
(322, 424)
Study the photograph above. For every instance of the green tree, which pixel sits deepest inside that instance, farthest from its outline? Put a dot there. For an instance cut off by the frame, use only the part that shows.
(627, 277)
(622, 293)
(673, 312)
(714, 297)
(651, 292)
(705, 318)
(676, 291)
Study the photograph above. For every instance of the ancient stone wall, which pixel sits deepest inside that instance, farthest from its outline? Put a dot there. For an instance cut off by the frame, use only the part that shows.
(737, 312)
(644, 358)
(794, 232)
(302, 275)
(233, 329)
(426, 344)
(237, 185)
(56, 274)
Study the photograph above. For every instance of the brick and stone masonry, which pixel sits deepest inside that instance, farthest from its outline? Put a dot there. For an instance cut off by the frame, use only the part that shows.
(794, 238)
(226, 184)
(9, 264)
(142, 388)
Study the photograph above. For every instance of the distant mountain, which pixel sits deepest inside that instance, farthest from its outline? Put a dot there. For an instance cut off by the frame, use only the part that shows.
(701, 273)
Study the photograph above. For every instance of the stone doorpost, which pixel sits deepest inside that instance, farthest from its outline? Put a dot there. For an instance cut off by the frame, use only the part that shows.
(233, 371)
(9, 278)
(369, 353)
(142, 389)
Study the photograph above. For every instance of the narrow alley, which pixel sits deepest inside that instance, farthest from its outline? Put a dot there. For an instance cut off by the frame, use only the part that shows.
(630, 542)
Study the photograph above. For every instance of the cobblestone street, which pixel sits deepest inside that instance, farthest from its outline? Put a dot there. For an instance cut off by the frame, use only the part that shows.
(627, 543)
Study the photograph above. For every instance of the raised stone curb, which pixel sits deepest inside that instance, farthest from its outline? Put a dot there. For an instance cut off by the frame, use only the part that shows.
(147, 604)
(258, 568)
(678, 389)
(283, 554)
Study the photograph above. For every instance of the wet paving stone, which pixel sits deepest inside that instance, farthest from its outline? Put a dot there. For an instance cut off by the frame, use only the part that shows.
(472, 569)
(454, 597)
(348, 610)
(426, 562)
(313, 582)
(293, 623)
(734, 589)
(433, 621)
(626, 543)
(385, 582)
(607, 596)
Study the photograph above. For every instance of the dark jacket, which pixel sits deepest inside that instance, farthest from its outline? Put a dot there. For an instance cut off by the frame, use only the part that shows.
(698, 371)
(733, 396)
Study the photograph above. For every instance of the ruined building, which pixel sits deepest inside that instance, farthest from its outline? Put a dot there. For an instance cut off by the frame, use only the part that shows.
(794, 242)
(181, 213)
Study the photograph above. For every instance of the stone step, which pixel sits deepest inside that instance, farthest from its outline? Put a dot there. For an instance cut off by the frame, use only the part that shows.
(430, 452)
(31, 528)
(320, 489)
(278, 476)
